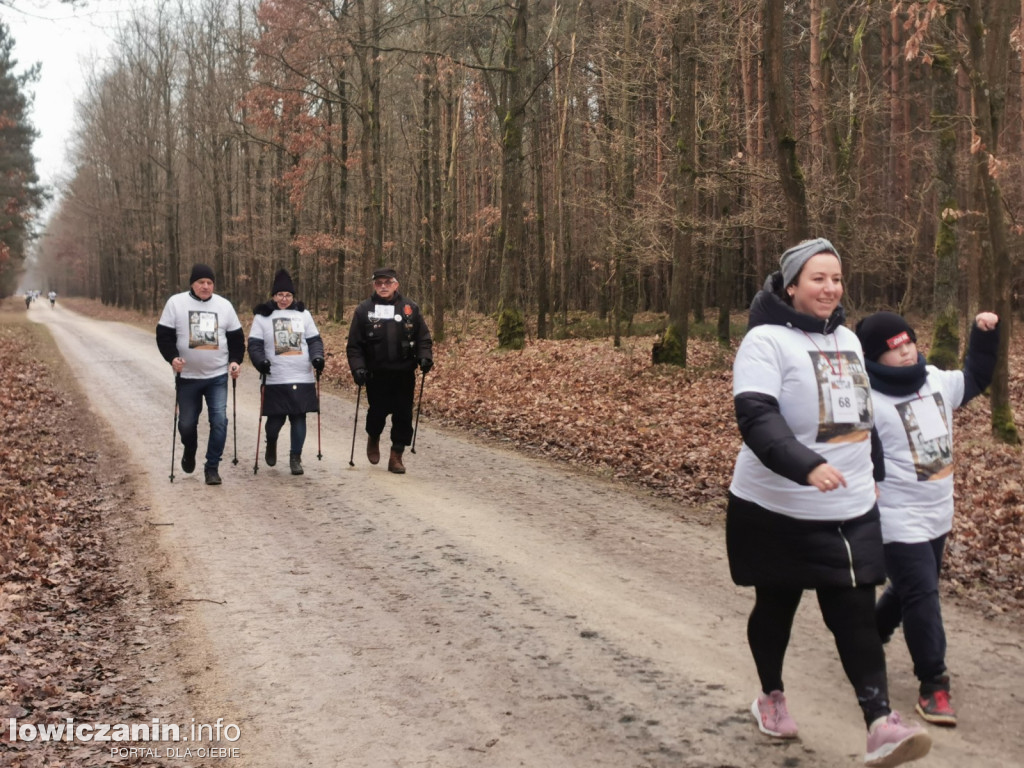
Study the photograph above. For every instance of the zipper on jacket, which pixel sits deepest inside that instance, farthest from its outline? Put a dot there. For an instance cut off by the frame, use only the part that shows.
(849, 555)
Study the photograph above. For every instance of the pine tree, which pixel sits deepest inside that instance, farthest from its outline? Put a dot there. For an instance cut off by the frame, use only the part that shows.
(20, 193)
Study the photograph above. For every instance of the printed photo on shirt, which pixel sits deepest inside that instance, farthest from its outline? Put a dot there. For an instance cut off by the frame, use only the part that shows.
(202, 330)
(287, 336)
(931, 451)
(844, 397)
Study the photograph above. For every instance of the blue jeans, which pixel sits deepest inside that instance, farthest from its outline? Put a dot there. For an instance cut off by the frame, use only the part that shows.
(190, 404)
(912, 598)
(297, 433)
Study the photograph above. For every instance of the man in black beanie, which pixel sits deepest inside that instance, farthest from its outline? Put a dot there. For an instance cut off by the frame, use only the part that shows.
(200, 336)
(387, 340)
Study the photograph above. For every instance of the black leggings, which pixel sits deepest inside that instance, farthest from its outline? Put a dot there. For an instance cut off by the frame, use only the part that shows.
(297, 433)
(849, 613)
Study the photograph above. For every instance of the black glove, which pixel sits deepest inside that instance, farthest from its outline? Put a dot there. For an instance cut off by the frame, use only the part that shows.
(359, 376)
(318, 364)
(263, 367)
(426, 364)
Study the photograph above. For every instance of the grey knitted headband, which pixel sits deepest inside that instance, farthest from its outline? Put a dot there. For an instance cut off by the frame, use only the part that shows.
(793, 260)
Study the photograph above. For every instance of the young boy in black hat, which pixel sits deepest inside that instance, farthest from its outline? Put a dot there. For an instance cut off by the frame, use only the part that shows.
(913, 413)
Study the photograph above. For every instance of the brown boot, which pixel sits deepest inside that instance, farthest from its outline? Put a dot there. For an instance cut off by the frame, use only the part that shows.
(395, 463)
(373, 448)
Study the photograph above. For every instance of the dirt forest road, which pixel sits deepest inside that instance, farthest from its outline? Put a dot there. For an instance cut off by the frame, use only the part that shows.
(485, 609)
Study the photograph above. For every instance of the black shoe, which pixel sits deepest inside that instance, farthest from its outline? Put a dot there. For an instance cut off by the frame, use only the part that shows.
(188, 460)
(212, 476)
(295, 459)
(271, 454)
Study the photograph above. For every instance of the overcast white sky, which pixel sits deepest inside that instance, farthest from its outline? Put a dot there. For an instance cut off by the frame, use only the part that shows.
(66, 42)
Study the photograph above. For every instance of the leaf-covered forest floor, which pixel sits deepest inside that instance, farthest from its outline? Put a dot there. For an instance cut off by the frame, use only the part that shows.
(672, 431)
(74, 621)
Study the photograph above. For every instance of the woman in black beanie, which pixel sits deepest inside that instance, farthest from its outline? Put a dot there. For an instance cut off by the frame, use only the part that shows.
(913, 405)
(285, 346)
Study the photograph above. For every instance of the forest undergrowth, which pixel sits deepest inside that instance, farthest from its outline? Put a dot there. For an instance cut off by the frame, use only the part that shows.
(672, 431)
(73, 621)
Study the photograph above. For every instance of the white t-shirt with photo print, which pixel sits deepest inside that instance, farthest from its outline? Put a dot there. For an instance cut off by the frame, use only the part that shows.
(817, 380)
(284, 334)
(201, 329)
(916, 497)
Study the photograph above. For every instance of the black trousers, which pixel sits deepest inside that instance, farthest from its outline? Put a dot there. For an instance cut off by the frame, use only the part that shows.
(912, 598)
(849, 613)
(391, 393)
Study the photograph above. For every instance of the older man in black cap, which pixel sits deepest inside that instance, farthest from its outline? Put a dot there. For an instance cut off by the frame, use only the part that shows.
(200, 336)
(387, 340)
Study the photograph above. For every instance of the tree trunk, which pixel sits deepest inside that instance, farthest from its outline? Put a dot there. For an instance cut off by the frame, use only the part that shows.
(683, 174)
(339, 207)
(750, 69)
(816, 97)
(511, 327)
(539, 206)
(562, 247)
(437, 268)
(988, 37)
(945, 347)
(449, 216)
(370, 139)
(780, 113)
(623, 110)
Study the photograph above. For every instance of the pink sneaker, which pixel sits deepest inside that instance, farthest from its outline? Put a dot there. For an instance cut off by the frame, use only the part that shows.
(772, 715)
(893, 743)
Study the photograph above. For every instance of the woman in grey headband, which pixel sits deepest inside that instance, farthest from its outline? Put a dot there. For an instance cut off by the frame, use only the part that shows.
(801, 512)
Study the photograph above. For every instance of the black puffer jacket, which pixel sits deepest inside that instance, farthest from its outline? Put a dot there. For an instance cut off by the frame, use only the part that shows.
(386, 343)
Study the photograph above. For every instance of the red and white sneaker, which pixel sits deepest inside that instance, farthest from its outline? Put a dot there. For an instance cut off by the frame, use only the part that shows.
(772, 715)
(936, 708)
(891, 742)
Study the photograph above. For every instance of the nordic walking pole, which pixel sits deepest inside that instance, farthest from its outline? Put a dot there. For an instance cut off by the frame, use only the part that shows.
(174, 432)
(319, 455)
(355, 426)
(419, 405)
(263, 387)
(234, 418)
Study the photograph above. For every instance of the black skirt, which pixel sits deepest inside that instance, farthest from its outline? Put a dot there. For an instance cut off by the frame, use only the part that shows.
(767, 549)
(285, 399)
